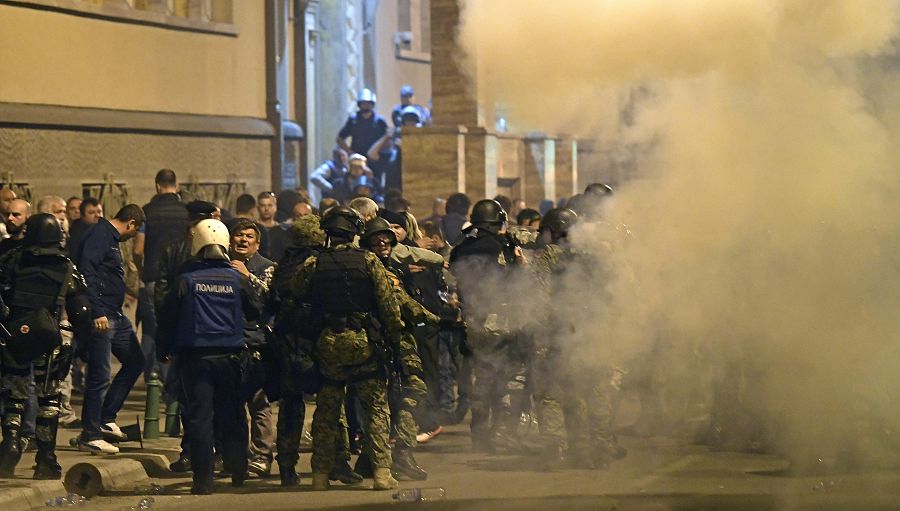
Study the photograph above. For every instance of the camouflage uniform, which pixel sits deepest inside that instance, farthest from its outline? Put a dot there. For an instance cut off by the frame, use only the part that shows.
(294, 332)
(408, 389)
(346, 357)
(482, 263)
(573, 400)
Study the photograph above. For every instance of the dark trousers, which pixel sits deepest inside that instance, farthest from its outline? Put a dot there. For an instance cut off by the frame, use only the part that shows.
(427, 413)
(146, 317)
(213, 402)
(102, 399)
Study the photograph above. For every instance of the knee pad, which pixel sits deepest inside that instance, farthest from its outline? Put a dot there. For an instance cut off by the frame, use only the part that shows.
(15, 408)
(517, 383)
(49, 407)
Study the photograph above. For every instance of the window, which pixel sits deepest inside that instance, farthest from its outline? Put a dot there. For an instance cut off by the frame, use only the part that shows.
(413, 40)
(209, 16)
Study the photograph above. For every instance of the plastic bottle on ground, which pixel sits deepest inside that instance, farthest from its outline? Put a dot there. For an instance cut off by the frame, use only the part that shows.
(420, 494)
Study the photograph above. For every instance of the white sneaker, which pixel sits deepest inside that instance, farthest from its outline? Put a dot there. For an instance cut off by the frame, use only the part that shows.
(424, 438)
(113, 433)
(97, 447)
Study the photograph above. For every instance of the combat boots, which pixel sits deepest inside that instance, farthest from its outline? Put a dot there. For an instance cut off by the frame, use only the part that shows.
(343, 472)
(47, 466)
(10, 451)
(384, 480)
(319, 482)
(363, 466)
(288, 475)
(405, 466)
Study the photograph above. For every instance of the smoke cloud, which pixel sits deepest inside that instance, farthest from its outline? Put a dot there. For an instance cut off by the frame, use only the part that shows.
(765, 229)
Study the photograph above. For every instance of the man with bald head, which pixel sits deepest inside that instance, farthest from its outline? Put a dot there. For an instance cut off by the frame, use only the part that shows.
(6, 197)
(56, 206)
(18, 212)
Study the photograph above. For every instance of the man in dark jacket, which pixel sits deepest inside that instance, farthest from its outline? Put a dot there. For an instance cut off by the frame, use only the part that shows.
(457, 215)
(100, 261)
(245, 259)
(167, 219)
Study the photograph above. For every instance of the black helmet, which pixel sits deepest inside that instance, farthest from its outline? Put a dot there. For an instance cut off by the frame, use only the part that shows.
(43, 230)
(375, 226)
(578, 203)
(488, 211)
(559, 220)
(342, 221)
(598, 189)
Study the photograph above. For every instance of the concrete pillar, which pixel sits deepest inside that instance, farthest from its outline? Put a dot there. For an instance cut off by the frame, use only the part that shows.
(481, 163)
(566, 168)
(454, 101)
(539, 170)
(434, 165)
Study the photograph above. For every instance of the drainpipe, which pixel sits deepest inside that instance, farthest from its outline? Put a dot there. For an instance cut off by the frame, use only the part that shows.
(276, 13)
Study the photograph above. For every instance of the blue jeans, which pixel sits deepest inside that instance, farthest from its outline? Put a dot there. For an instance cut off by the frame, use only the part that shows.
(102, 399)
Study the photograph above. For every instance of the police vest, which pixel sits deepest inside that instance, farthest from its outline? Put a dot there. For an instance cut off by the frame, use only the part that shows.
(211, 315)
(37, 284)
(342, 284)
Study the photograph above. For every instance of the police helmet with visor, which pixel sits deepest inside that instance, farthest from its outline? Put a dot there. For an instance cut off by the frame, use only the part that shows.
(488, 212)
(365, 95)
(559, 221)
(210, 233)
(43, 230)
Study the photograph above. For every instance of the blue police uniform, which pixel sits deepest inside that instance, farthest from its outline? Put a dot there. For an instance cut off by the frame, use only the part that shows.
(204, 317)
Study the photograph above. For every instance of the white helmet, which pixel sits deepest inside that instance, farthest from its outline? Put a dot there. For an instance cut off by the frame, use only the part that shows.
(209, 232)
(365, 95)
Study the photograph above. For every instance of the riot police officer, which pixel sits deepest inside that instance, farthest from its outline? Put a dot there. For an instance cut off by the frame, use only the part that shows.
(574, 395)
(203, 316)
(484, 262)
(39, 287)
(295, 330)
(351, 291)
(407, 389)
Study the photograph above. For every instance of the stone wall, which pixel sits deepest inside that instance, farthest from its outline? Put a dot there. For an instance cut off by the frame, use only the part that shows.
(57, 162)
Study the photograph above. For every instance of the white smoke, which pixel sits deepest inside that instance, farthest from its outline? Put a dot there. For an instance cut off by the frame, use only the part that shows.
(766, 229)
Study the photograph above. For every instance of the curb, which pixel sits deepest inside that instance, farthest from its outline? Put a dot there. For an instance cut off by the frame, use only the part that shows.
(155, 465)
(29, 497)
(93, 477)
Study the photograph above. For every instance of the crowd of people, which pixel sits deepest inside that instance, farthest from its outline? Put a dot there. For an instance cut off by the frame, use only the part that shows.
(394, 328)
(386, 324)
(367, 159)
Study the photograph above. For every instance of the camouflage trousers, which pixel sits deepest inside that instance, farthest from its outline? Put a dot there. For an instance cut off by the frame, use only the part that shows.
(326, 426)
(404, 396)
(575, 409)
(47, 372)
(499, 391)
(291, 415)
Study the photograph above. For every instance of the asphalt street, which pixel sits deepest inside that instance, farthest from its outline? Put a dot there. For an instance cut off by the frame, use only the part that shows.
(659, 473)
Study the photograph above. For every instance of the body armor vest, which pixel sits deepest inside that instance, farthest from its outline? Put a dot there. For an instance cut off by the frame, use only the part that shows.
(342, 284)
(211, 314)
(37, 284)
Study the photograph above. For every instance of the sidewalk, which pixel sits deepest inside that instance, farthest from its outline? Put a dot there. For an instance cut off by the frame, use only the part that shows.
(132, 463)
